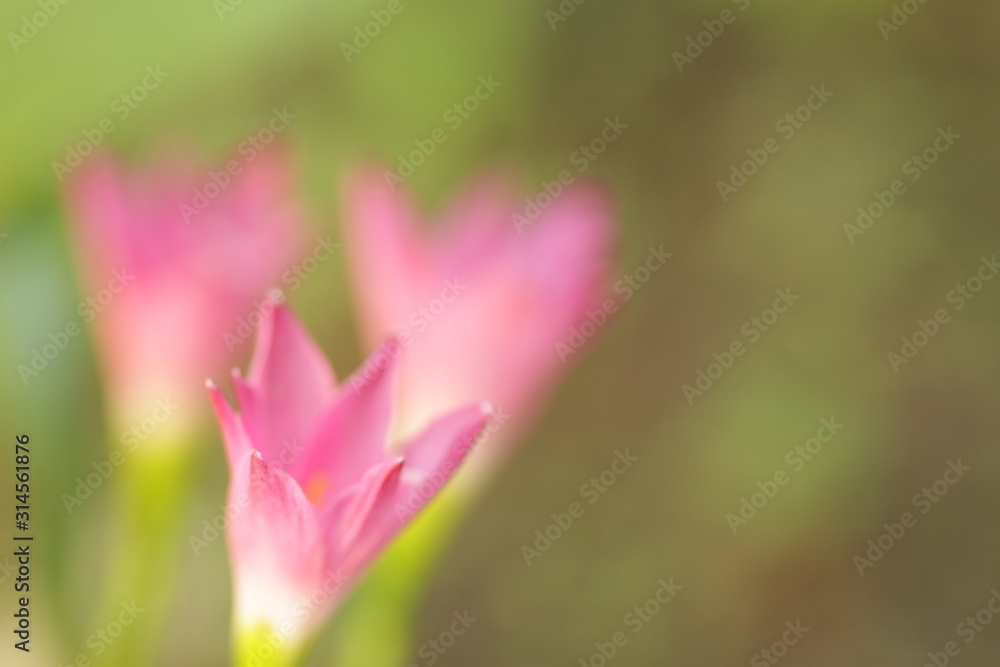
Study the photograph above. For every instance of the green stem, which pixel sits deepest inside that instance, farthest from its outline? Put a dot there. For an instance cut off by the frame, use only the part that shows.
(150, 490)
(264, 647)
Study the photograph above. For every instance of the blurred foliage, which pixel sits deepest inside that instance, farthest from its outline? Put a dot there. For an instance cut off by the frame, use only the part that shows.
(784, 228)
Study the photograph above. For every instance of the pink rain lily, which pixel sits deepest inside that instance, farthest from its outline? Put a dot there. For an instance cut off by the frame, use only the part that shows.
(315, 491)
(490, 301)
(174, 267)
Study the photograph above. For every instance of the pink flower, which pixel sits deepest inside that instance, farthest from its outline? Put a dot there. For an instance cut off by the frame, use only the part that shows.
(488, 300)
(173, 264)
(315, 492)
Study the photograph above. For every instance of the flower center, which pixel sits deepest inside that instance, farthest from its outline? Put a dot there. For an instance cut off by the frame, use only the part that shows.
(316, 488)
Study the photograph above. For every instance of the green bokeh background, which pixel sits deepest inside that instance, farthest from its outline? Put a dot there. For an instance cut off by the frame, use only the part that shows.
(784, 228)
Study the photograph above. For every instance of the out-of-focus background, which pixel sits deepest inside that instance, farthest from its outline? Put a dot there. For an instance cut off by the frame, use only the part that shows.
(699, 88)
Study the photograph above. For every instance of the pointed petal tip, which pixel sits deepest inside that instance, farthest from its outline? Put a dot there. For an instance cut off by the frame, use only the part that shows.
(218, 398)
(380, 365)
(279, 298)
(368, 173)
(280, 301)
(395, 472)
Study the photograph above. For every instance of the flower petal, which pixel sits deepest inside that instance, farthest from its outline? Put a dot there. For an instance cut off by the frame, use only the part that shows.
(389, 262)
(476, 227)
(352, 436)
(511, 293)
(276, 542)
(100, 213)
(290, 383)
(429, 462)
(357, 506)
(172, 254)
(445, 443)
(234, 435)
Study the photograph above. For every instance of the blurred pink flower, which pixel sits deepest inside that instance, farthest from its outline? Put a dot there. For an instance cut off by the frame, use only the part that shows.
(488, 301)
(175, 265)
(315, 493)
